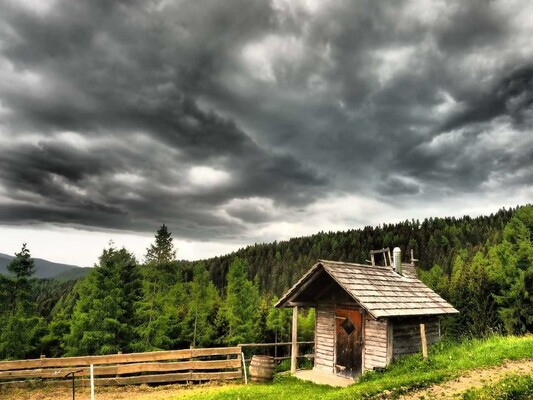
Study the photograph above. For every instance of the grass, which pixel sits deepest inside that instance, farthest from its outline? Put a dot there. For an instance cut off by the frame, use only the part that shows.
(447, 360)
(513, 387)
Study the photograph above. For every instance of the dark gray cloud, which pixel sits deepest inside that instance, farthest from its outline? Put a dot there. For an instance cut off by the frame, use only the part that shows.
(217, 116)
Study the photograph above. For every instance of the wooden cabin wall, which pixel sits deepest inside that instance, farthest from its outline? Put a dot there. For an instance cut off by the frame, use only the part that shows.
(377, 337)
(406, 335)
(325, 338)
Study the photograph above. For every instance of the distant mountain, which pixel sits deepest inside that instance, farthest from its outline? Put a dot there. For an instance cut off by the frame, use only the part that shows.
(48, 269)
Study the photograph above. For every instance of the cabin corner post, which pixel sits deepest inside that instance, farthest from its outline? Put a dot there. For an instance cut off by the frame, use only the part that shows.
(294, 350)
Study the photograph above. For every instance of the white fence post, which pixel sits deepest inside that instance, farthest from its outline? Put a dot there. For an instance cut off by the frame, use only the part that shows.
(92, 382)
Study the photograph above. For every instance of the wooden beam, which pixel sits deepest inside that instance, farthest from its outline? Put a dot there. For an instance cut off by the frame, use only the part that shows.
(424, 342)
(294, 351)
(301, 304)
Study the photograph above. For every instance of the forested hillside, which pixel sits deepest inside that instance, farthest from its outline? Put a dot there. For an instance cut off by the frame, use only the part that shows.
(276, 266)
(483, 265)
(46, 269)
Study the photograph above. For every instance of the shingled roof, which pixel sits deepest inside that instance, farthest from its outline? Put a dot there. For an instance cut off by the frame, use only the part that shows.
(379, 290)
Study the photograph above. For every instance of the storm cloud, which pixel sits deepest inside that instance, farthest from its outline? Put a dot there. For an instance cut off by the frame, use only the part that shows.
(226, 120)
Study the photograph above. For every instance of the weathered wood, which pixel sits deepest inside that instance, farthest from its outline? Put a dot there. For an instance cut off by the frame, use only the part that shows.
(117, 358)
(123, 369)
(376, 343)
(294, 348)
(133, 380)
(424, 342)
(325, 337)
(390, 342)
(118, 365)
(413, 328)
(407, 338)
(324, 354)
(272, 344)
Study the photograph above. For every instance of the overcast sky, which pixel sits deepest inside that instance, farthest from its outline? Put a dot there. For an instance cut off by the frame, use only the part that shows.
(243, 121)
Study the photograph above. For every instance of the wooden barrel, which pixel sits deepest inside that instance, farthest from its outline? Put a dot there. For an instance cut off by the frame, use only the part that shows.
(261, 368)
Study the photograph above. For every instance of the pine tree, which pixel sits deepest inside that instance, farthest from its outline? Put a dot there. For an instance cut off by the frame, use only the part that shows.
(22, 267)
(241, 305)
(512, 269)
(162, 251)
(101, 321)
(19, 324)
(200, 319)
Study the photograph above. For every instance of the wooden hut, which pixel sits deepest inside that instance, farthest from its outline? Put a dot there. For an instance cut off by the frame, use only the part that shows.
(366, 315)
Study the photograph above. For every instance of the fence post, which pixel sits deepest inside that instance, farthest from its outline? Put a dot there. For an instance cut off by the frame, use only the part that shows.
(92, 382)
(294, 350)
(73, 373)
(423, 340)
(244, 368)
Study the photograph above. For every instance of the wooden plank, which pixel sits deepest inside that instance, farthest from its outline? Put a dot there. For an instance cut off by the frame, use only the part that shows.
(135, 380)
(117, 358)
(380, 354)
(124, 369)
(370, 333)
(376, 361)
(381, 344)
(272, 344)
(324, 356)
(414, 330)
(377, 339)
(216, 351)
(377, 343)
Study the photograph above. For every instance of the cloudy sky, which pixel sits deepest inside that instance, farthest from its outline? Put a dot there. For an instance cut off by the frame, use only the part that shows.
(243, 121)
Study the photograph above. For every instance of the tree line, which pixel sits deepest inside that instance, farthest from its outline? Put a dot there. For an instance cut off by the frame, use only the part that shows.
(483, 266)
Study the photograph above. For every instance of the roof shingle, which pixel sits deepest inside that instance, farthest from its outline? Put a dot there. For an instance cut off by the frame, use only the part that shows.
(379, 290)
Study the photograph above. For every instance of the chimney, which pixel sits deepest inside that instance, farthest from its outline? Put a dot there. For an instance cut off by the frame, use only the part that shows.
(397, 260)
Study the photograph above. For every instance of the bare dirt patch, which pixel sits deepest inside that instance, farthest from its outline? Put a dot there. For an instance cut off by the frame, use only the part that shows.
(143, 392)
(472, 379)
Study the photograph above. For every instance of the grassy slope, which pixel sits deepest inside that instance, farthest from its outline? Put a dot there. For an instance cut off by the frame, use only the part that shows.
(446, 361)
(513, 387)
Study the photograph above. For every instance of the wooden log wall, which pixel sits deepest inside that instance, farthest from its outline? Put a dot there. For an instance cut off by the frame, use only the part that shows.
(325, 338)
(406, 335)
(376, 339)
(127, 369)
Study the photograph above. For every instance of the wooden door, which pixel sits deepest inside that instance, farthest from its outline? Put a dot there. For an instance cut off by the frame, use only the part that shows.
(349, 343)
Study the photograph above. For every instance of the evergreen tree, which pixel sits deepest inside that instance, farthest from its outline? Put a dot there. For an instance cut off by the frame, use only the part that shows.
(279, 321)
(19, 325)
(162, 251)
(241, 305)
(512, 268)
(101, 321)
(22, 268)
(200, 319)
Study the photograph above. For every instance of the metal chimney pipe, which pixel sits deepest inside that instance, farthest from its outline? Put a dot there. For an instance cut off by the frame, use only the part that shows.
(397, 260)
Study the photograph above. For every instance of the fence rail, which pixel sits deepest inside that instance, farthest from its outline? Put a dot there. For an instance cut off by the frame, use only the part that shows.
(221, 363)
(188, 365)
(278, 344)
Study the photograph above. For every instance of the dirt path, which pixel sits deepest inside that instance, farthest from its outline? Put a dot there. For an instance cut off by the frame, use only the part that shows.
(472, 379)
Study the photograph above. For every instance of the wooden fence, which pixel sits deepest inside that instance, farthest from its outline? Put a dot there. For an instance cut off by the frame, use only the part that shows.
(274, 354)
(222, 363)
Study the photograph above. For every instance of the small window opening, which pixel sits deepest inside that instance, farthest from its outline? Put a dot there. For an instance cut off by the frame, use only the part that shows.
(348, 326)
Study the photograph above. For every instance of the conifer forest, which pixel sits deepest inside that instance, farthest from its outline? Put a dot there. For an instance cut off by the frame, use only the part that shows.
(482, 265)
